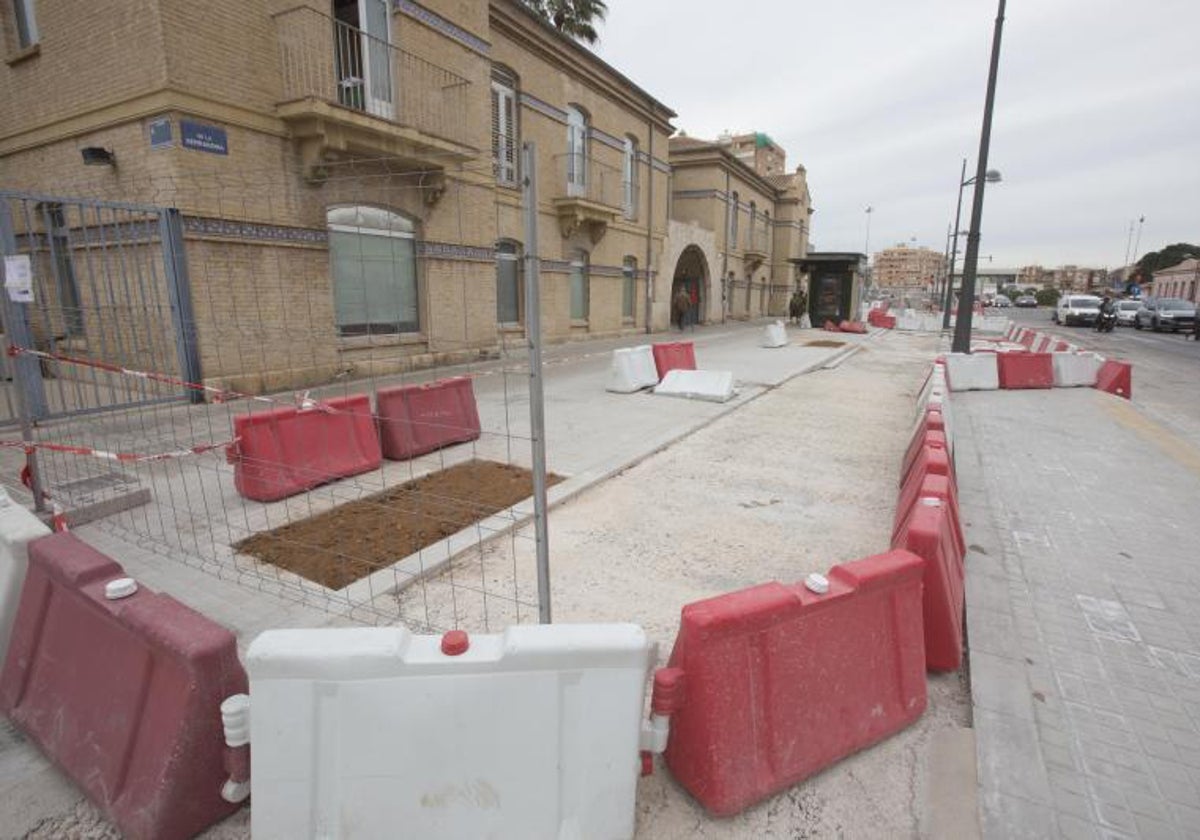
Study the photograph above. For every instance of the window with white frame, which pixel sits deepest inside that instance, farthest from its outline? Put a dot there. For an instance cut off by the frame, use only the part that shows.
(508, 282)
(373, 263)
(628, 287)
(629, 178)
(27, 34)
(504, 125)
(577, 152)
(580, 292)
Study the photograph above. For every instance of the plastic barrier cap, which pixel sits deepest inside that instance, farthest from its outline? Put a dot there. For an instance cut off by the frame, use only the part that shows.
(120, 588)
(817, 582)
(455, 642)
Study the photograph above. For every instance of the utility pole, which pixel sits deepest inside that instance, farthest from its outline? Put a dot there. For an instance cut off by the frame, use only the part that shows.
(966, 301)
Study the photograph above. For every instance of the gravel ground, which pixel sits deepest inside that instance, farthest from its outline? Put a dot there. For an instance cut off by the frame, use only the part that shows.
(793, 482)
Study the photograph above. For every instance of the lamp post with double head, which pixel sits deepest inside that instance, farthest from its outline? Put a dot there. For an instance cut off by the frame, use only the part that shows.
(991, 177)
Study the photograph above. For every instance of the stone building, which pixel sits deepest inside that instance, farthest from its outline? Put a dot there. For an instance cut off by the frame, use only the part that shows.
(757, 219)
(907, 267)
(347, 175)
(1179, 281)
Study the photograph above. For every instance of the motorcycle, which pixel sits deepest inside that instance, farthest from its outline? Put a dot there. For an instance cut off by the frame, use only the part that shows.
(1106, 322)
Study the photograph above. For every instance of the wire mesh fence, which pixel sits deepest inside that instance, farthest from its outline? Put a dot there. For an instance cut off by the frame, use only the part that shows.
(217, 359)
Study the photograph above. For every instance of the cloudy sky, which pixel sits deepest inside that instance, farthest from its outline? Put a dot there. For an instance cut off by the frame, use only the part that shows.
(1097, 111)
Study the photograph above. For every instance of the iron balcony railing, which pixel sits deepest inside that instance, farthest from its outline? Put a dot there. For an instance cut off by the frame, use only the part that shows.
(589, 179)
(330, 60)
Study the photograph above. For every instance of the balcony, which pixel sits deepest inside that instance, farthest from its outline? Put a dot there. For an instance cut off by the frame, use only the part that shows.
(589, 195)
(349, 94)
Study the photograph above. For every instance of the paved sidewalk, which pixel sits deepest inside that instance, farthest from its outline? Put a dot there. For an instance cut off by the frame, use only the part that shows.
(1083, 611)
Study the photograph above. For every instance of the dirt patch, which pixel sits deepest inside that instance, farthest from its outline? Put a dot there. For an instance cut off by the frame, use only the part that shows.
(824, 342)
(339, 546)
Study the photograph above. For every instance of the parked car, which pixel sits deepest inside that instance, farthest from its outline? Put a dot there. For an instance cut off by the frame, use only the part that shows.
(1077, 309)
(1027, 302)
(1172, 314)
(1127, 312)
(1001, 301)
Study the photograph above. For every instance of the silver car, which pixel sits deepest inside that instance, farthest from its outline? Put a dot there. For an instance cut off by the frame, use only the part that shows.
(1127, 312)
(1172, 314)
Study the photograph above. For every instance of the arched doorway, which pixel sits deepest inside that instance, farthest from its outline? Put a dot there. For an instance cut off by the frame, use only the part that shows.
(691, 274)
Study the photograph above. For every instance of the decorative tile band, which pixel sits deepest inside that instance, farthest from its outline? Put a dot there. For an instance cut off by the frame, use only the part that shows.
(450, 30)
(608, 140)
(450, 251)
(543, 108)
(253, 231)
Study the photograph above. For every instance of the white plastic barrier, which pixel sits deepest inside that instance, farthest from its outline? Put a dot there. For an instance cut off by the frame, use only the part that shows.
(708, 385)
(775, 335)
(1043, 343)
(972, 372)
(1073, 370)
(17, 527)
(375, 732)
(989, 323)
(632, 369)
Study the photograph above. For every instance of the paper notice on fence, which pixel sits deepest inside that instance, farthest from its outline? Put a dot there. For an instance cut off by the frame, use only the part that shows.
(18, 278)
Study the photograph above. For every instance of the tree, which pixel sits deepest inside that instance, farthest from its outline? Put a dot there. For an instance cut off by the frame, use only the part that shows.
(1167, 257)
(1047, 297)
(574, 18)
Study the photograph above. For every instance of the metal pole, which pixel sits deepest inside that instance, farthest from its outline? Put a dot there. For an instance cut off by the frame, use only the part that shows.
(537, 410)
(1137, 243)
(1128, 243)
(937, 288)
(867, 246)
(26, 370)
(649, 235)
(966, 300)
(962, 182)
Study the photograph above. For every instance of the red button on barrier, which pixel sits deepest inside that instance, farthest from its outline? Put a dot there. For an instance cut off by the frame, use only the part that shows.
(124, 695)
(782, 682)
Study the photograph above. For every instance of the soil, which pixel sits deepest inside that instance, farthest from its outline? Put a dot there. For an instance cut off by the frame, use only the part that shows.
(339, 546)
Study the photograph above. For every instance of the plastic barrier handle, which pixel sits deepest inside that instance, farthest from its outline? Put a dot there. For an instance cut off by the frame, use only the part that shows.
(665, 700)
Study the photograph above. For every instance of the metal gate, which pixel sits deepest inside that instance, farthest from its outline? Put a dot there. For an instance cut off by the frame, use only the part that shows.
(106, 289)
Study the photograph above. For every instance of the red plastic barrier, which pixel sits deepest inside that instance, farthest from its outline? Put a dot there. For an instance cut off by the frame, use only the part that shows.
(925, 438)
(929, 486)
(852, 327)
(931, 458)
(1025, 370)
(123, 695)
(1027, 338)
(780, 682)
(888, 322)
(929, 532)
(674, 355)
(1061, 347)
(1116, 378)
(415, 419)
(285, 451)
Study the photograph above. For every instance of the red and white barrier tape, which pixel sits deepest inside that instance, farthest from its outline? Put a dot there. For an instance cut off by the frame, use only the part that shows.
(123, 457)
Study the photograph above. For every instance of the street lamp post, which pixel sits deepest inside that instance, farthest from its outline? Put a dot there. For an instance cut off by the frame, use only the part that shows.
(966, 301)
(992, 177)
(867, 245)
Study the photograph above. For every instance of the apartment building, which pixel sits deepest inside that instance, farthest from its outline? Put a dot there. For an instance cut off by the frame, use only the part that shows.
(909, 267)
(735, 210)
(346, 175)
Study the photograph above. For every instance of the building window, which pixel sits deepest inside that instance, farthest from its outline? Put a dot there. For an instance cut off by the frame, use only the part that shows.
(27, 34)
(767, 230)
(577, 152)
(630, 178)
(733, 222)
(504, 126)
(752, 234)
(508, 283)
(374, 268)
(579, 286)
(749, 290)
(628, 286)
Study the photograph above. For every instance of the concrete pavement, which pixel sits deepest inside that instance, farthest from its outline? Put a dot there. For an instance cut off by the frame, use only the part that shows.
(1083, 611)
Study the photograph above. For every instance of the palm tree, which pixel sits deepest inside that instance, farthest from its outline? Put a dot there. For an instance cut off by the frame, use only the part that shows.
(572, 17)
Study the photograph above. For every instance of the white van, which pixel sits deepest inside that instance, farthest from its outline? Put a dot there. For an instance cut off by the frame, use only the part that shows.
(1077, 309)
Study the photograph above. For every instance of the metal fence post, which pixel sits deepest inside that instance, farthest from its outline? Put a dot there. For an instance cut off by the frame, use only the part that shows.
(27, 371)
(179, 292)
(537, 413)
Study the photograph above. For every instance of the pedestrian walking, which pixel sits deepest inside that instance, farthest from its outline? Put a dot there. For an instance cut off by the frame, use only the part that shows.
(679, 308)
(797, 305)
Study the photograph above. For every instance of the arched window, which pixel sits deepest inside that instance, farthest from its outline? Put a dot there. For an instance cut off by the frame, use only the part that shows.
(504, 125)
(577, 151)
(628, 287)
(508, 282)
(752, 235)
(629, 178)
(373, 263)
(580, 292)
